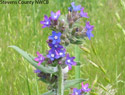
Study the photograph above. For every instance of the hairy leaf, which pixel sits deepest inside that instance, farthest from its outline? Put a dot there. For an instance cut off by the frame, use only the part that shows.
(49, 93)
(71, 83)
(28, 57)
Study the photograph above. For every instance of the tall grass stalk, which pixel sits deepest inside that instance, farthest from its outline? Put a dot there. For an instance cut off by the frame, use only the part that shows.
(37, 88)
(77, 68)
(34, 21)
(27, 81)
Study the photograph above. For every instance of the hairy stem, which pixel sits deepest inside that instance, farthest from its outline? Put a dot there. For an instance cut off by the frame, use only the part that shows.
(60, 90)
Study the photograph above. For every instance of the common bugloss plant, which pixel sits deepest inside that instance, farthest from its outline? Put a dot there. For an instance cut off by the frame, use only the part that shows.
(52, 68)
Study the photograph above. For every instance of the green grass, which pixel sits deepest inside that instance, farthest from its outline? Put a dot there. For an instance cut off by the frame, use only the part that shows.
(20, 26)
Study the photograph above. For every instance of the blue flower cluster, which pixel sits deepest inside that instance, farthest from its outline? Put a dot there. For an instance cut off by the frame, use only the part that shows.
(57, 51)
(88, 27)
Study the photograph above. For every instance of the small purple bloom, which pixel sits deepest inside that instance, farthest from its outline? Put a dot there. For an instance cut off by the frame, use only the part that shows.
(56, 46)
(46, 22)
(55, 16)
(89, 29)
(37, 71)
(40, 58)
(56, 53)
(85, 87)
(55, 37)
(75, 8)
(76, 91)
(60, 53)
(83, 14)
(70, 9)
(51, 55)
(69, 61)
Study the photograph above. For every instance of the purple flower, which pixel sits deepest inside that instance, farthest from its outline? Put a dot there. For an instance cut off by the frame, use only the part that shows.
(75, 8)
(85, 87)
(55, 37)
(56, 53)
(55, 16)
(60, 53)
(59, 50)
(51, 55)
(89, 29)
(40, 58)
(69, 61)
(37, 71)
(56, 46)
(83, 14)
(46, 22)
(76, 91)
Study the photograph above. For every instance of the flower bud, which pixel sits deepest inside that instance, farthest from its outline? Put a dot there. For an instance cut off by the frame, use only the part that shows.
(67, 34)
(49, 41)
(73, 31)
(80, 28)
(74, 13)
(70, 9)
(62, 42)
(54, 22)
(83, 32)
(78, 34)
(69, 16)
(75, 18)
(49, 62)
(71, 23)
(62, 29)
(67, 42)
(61, 23)
(63, 36)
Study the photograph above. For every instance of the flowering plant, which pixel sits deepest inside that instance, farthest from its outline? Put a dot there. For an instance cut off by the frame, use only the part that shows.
(53, 67)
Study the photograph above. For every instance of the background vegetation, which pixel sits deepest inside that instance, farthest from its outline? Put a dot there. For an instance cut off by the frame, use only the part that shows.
(20, 26)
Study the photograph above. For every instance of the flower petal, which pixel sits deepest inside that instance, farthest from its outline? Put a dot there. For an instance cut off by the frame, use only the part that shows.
(41, 22)
(58, 13)
(39, 63)
(45, 17)
(36, 59)
(86, 85)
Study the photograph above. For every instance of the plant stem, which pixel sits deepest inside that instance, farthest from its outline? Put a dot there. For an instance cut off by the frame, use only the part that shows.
(60, 89)
(77, 68)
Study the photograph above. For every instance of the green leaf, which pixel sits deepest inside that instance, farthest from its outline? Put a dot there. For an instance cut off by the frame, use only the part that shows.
(49, 93)
(70, 83)
(28, 57)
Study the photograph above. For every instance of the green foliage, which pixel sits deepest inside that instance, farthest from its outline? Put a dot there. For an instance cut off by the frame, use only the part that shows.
(32, 62)
(72, 83)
